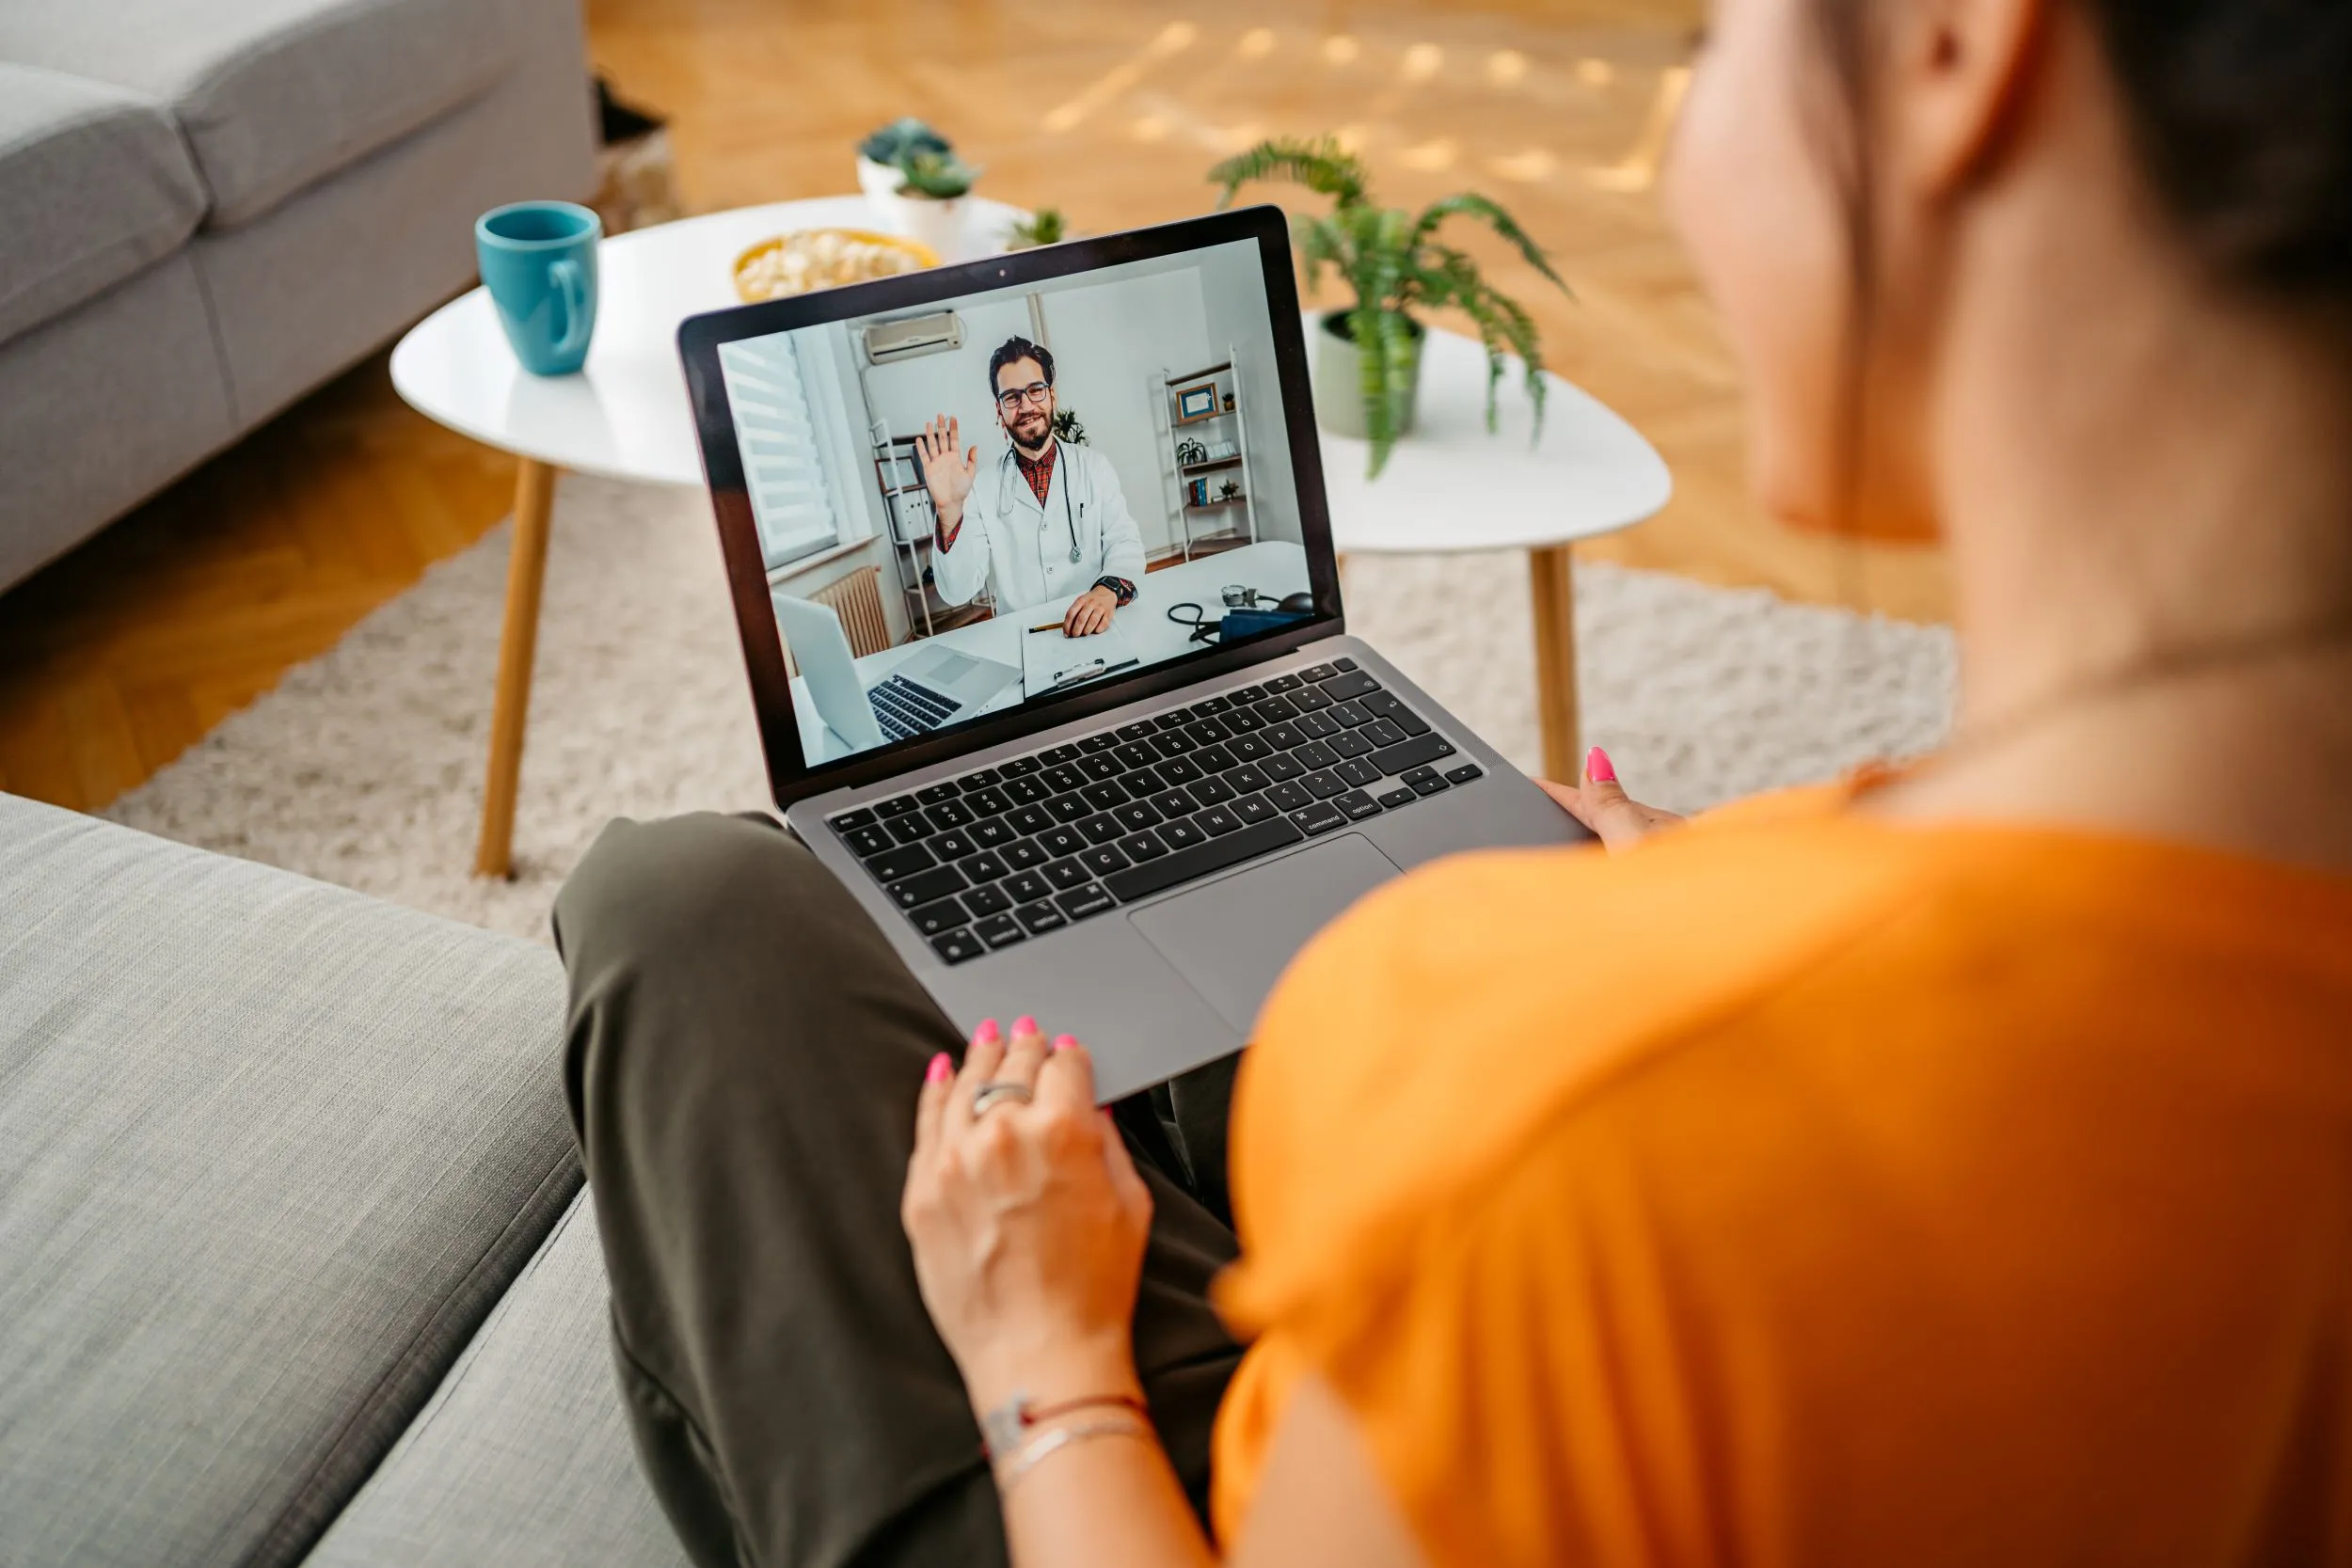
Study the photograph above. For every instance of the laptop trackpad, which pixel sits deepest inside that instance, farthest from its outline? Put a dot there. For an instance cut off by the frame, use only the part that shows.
(1232, 939)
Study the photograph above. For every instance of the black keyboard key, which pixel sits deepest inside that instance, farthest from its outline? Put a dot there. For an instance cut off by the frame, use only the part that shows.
(1464, 774)
(1096, 743)
(1354, 683)
(1247, 779)
(1055, 757)
(1061, 840)
(959, 946)
(908, 830)
(1208, 856)
(1001, 930)
(1352, 715)
(1021, 854)
(892, 865)
(1417, 775)
(1310, 701)
(1212, 706)
(1358, 805)
(950, 846)
(1244, 695)
(1321, 817)
(1027, 886)
(1180, 770)
(987, 802)
(980, 780)
(1142, 846)
(1020, 767)
(1282, 682)
(1215, 759)
(1104, 859)
(1066, 874)
(1174, 803)
(1323, 785)
(898, 806)
(1248, 748)
(1068, 807)
(1359, 772)
(1316, 726)
(1401, 796)
(1284, 735)
(1289, 795)
(1318, 673)
(946, 915)
(987, 900)
(1080, 902)
(1135, 816)
(935, 794)
(1314, 754)
(982, 867)
(1101, 768)
(1212, 792)
(1274, 710)
(1142, 783)
(1254, 808)
(849, 821)
(1135, 754)
(1412, 754)
(1348, 744)
(1173, 743)
(1104, 796)
(1430, 786)
(1031, 819)
(927, 887)
(1062, 780)
(1410, 723)
(1217, 821)
(993, 833)
(1025, 792)
(1383, 732)
(1207, 731)
(868, 840)
(1040, 917)
(1342, 664)
(1241, 722)
(1101, 827)
(1180, 834)
(1136, 731)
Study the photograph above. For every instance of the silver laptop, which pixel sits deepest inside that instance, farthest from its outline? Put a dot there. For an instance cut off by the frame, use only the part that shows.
(1137, 859)
(935, 686)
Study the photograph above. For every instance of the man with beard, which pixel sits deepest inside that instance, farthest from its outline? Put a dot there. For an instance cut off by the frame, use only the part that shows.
(1043, 519)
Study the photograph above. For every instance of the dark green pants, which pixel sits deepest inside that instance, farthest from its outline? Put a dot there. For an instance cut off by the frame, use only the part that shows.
(744, 1054)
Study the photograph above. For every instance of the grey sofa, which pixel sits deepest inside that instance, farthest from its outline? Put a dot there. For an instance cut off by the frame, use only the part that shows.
(297, 1265)
(209, 207)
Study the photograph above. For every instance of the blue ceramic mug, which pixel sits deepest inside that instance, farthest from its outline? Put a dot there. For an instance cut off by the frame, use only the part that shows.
(539, 263)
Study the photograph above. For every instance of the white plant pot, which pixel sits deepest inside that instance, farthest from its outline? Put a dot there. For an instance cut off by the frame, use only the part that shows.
(939, 225)
(879, 181)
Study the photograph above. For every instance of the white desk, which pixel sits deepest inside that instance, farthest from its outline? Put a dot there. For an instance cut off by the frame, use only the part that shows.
(1273, 567)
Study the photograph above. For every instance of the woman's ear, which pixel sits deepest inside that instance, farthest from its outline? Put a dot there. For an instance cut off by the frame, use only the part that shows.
(1957, 71)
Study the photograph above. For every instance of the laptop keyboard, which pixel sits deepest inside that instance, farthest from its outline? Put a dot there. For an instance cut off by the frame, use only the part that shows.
(905, 709)
(1005, 853)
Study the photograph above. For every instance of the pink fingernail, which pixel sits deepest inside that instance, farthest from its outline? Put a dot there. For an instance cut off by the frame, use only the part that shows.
(986, 1033)
(1063, 1042)
(939, 1072)
(1025, 1024)
(1597, 767)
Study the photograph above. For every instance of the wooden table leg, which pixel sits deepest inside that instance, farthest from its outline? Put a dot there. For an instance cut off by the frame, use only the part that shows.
(1551, 573)
(526, 572)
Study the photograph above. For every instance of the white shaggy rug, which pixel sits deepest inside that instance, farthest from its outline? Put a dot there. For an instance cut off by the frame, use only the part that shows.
(364, 766)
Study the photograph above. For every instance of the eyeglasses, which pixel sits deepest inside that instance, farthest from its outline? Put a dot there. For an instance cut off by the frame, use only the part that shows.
(1036, 391)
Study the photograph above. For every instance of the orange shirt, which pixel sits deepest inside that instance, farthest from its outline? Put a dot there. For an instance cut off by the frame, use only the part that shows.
(1803, 1189)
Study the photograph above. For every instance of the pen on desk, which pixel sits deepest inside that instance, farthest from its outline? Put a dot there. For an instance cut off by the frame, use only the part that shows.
(1050, 626)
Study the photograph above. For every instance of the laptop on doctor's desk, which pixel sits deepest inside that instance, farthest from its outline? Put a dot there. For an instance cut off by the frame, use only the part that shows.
(1135, 856)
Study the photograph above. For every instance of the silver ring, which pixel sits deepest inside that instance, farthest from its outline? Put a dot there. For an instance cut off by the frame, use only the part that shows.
(988, 1096)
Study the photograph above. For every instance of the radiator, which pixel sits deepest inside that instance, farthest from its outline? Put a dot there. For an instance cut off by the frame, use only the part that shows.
(857, 599)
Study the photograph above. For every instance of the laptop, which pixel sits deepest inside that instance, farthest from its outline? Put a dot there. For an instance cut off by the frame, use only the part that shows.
(935, 687)
(1132, 859)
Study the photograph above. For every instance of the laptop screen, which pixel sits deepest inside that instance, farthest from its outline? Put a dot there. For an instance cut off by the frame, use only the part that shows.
(958, 500)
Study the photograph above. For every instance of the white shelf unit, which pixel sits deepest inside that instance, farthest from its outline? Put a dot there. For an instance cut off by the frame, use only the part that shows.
(1221, 425)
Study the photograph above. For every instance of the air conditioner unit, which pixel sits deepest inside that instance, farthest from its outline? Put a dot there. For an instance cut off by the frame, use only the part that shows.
(915, 336)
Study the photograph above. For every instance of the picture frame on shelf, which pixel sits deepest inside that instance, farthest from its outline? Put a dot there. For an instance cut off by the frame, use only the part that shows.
(1195, 403)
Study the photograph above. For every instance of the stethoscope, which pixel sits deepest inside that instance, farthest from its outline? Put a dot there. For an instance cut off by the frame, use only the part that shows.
(1004, 468)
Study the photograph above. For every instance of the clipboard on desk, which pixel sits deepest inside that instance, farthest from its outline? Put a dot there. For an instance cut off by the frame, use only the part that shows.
(1051, 661)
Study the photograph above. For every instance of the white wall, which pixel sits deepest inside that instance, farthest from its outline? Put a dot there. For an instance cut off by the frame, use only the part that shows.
(911, 391)
(1114, 344)
(1233, 289)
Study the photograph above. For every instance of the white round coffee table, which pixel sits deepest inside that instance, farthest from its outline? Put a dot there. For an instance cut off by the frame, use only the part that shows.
(1451, 486)
(624, 415)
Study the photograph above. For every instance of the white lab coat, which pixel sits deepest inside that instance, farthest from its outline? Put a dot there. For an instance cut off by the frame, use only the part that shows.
(1022, 548)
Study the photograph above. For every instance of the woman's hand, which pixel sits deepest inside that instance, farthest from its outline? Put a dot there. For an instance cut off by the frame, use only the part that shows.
(1603, 807)
(1028, 1223)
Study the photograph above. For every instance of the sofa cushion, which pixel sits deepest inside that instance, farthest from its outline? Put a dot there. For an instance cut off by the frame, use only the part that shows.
(274, 95)
(95, 184)
(523, 1458)
(270, 1152)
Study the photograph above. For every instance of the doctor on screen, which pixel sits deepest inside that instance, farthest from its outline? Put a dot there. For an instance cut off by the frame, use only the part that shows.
(1039, 520)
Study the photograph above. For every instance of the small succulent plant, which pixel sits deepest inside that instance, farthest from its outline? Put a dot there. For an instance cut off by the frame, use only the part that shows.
(1046, 225)
(902, 138)
(939, 176)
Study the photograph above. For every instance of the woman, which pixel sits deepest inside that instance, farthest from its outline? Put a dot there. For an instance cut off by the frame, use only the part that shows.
(1955, 1167)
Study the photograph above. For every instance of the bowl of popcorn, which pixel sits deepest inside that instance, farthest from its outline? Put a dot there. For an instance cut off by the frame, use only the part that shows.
(824, 258)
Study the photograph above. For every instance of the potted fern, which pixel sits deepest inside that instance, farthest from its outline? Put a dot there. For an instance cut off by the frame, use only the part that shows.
(1367, 366)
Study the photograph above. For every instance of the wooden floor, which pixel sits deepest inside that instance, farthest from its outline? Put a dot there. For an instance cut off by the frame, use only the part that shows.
(126, 652)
